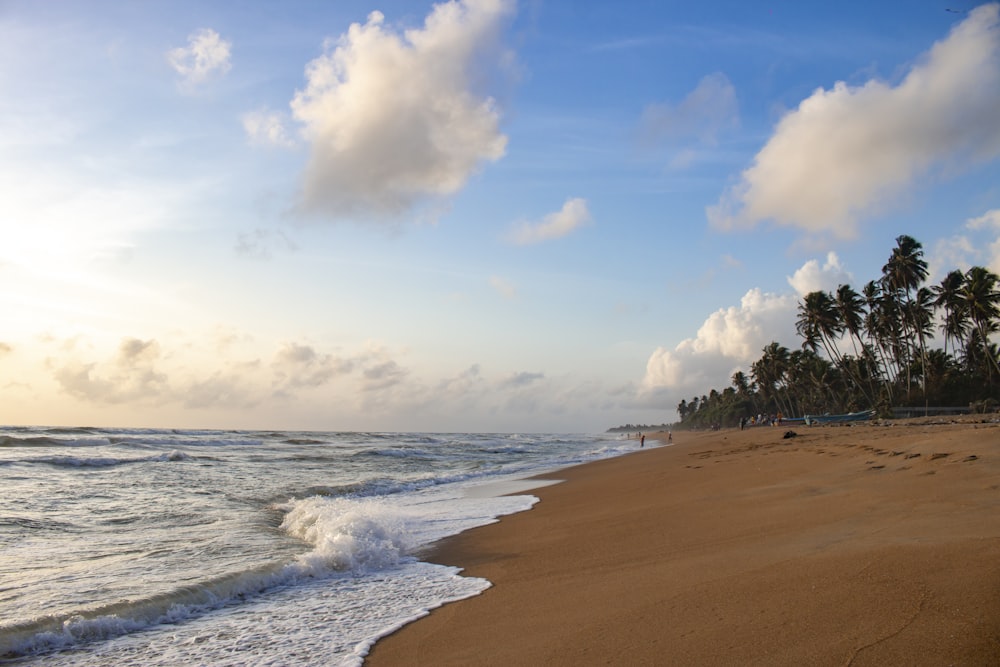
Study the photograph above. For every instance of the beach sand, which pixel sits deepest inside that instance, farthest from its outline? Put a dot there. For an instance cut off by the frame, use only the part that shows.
(845, 545)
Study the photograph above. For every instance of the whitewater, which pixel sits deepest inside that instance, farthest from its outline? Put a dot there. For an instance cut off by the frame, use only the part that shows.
(165, 547)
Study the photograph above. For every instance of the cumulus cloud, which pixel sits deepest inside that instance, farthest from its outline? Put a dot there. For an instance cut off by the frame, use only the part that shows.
(296, 365)
(205, 56)
(708, 110)
(977, 244)
(267, 128)
(131, 376)
(990, 219)
(811, 277)
(732, 338)
(848, 152)
(383, 375)
(393, 118)
(571, 216)
(729, 338)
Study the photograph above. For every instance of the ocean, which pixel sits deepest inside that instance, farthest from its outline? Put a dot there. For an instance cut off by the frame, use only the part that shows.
(166, 547)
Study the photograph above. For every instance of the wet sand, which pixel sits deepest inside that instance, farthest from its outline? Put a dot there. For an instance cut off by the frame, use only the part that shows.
(845, 545)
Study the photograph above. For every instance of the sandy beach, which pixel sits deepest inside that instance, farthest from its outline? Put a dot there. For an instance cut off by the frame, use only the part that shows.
(874, 544)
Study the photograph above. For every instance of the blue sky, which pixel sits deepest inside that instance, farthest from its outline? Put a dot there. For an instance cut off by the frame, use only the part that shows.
(480, 215)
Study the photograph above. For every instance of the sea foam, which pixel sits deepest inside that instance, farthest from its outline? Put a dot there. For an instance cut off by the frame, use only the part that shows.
(348, 533)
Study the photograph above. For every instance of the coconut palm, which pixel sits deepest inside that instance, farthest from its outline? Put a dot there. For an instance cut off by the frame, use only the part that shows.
(851, 308)
(981, 301)
(919, 311)
(769, 373)
(902, 275)
(948, 297)
(882, 329)
(819, 324)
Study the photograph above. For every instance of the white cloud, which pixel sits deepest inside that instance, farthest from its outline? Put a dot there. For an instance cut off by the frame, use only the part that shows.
(848, 152)
(205, 55)
(706, 111)
(811, 277)
(732, 338)
(977, 244)
(989, 225)
(571, 216)
(986, 220)
(267, 128)
(131, 376)
(298, 366)
(393, 119)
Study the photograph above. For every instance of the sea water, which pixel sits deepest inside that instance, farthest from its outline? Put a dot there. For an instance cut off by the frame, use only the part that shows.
(165, 547)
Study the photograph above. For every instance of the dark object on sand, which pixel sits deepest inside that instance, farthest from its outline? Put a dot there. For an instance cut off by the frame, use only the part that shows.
(789, 434)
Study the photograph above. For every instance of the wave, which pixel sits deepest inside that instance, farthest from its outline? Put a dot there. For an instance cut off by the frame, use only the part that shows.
(105, 461)
(346, 538)
(347, 533)
(53, 633)
(401, 453)
(388, 486)
(47, 441)
(37, 524)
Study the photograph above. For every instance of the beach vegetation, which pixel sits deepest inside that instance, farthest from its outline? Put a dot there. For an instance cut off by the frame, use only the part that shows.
(874, 349)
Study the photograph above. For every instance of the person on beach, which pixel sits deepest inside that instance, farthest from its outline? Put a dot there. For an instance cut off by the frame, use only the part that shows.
(642, 441)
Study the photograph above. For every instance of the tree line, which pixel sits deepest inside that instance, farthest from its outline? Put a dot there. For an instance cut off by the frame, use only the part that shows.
(871, 349)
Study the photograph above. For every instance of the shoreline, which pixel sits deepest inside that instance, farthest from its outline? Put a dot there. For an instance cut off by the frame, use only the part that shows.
(864, 544)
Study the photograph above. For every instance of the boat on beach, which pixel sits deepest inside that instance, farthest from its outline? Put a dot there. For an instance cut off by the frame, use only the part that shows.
(863, 415)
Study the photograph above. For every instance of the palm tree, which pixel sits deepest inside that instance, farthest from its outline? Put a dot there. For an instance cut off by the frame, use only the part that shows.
(882, 326)
(819, 323)
(851, 308)
(813, 383)
(940, 373)
(769, 372)
(981, 300)
(741, 383)
(948, 297)
(903, 274)
(920, 313)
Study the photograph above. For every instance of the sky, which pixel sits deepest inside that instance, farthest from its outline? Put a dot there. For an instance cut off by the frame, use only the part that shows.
(478, 215)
